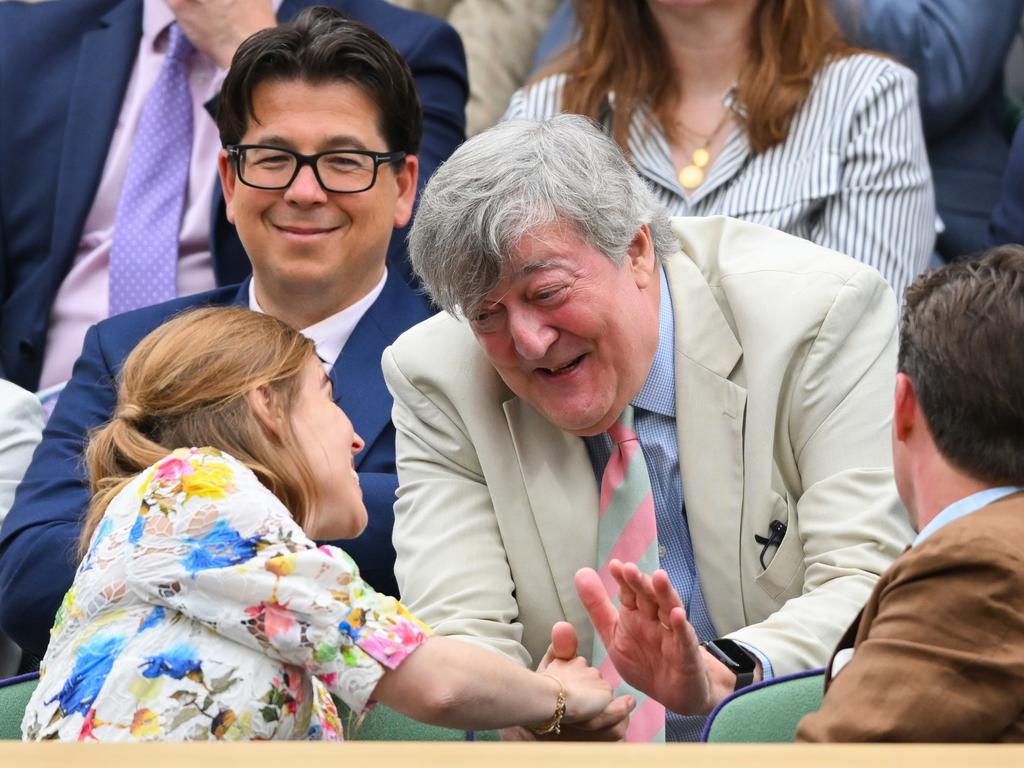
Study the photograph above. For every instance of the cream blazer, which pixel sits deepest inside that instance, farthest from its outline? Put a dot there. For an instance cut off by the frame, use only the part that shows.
(785, 362)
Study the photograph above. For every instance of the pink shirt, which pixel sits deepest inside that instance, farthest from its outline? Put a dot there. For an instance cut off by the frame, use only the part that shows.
(83, 295)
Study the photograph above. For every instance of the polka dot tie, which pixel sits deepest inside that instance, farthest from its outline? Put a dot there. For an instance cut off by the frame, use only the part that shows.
(144, 252)
(627, 531)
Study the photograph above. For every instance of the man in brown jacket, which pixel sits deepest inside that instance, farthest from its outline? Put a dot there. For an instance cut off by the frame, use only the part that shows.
(937, 654)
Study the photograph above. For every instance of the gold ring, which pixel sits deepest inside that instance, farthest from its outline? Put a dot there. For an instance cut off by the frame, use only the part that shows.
(665, 626)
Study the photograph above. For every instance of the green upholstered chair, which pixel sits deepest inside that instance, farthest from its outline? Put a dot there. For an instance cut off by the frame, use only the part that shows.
(14, 695)
(380, 724)
(768, 711)
(384, 724)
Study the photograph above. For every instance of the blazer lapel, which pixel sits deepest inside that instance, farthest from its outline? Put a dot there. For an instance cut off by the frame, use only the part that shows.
(709, 422)
(358, 378)
(560, 484)
(241, 298)
(104, 66)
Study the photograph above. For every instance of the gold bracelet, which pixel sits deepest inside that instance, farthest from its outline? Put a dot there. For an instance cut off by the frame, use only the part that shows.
(554, 725)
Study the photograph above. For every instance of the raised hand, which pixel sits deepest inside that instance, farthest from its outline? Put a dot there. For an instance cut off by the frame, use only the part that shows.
(217, 27)
(648, 638)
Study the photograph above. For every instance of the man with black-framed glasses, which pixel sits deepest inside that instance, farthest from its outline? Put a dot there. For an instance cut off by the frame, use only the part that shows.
(336, 115)
(78, 161)
(338, 170)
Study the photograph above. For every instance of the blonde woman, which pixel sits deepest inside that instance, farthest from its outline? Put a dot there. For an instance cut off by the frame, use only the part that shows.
(202, 609)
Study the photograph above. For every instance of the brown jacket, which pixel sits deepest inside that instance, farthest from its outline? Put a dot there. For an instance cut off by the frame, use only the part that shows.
(939, 646)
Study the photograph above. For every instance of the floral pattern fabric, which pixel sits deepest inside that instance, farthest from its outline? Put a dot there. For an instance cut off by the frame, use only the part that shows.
(202, 611)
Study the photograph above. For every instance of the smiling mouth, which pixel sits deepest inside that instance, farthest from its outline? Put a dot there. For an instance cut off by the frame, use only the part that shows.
(568, 367)
(306, 231)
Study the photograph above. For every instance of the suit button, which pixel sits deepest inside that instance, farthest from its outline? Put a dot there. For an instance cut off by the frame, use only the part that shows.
(27, 349)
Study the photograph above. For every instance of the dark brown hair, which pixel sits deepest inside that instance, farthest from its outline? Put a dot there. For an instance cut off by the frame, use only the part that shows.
(962, 346)
(186, 385)
(322, 46)
(621, 50)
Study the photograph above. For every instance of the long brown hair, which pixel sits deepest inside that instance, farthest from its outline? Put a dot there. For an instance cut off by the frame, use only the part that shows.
(186, 385)
(621, 50)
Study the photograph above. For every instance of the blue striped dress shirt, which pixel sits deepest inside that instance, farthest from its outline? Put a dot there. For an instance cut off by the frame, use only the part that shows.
(655, 406)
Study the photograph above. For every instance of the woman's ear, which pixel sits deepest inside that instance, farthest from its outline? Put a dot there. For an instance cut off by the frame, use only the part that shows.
(264, 406)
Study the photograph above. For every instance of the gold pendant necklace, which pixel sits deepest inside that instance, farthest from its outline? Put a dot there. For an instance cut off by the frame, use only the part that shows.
(692, 175)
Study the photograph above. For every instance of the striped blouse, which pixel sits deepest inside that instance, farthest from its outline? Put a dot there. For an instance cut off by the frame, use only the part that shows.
(852, 175)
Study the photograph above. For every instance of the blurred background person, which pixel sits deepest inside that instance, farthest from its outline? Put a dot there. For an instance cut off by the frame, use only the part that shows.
(957, 49)
(499, 37)
(21, 428)
(1007, 225)
(759, 110)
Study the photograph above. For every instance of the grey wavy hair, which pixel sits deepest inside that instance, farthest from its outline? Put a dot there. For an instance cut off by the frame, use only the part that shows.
(514, 179)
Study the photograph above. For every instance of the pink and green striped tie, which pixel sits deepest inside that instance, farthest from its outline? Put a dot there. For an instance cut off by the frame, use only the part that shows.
(627, 531)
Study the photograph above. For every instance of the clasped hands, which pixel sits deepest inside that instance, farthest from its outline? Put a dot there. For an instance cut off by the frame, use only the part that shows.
(650, 641)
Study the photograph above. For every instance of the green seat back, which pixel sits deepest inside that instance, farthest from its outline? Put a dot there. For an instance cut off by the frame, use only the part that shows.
(380, 724)
(768, 712)
(13, 700)
(384, 724)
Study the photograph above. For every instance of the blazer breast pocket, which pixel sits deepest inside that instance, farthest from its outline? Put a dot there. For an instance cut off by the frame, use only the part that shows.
(784, 575)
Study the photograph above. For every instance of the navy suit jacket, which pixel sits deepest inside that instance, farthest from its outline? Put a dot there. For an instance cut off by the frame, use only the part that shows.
(39, 536)
(957, 49)
(64, 68)
(1008, 217)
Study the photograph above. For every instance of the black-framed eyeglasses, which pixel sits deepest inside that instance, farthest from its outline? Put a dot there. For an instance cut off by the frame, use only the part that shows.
(337, 170)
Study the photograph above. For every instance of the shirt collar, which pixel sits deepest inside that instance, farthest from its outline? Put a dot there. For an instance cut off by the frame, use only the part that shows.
(156, 17)
(964, 507)
(659, 392)
(332, 333)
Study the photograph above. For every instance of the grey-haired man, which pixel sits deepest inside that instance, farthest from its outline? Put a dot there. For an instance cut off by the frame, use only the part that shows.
(759, 367)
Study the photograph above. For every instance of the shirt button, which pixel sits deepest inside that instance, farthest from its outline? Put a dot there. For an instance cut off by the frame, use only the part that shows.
(662, 550)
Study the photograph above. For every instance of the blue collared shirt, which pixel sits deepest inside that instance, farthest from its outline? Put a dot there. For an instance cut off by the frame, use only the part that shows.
(964, 507)
(655, 422)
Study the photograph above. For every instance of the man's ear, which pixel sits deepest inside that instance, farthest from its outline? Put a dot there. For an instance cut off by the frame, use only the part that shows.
(405, 183)
(640, 257)
(905, 410)
(264, 406)
(226, 171)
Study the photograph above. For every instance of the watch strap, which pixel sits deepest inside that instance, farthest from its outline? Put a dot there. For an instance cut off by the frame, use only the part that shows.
(740, 662)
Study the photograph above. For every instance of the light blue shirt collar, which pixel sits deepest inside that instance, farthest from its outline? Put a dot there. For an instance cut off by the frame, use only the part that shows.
(658, 394)
(964, 507)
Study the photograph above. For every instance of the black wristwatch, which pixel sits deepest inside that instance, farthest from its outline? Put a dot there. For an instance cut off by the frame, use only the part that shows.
(731, 653)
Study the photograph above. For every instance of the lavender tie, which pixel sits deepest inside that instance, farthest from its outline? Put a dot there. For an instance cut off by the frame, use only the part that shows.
(144, 252)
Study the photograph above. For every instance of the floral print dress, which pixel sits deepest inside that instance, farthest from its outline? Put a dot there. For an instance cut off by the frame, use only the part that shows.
(202, 611)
